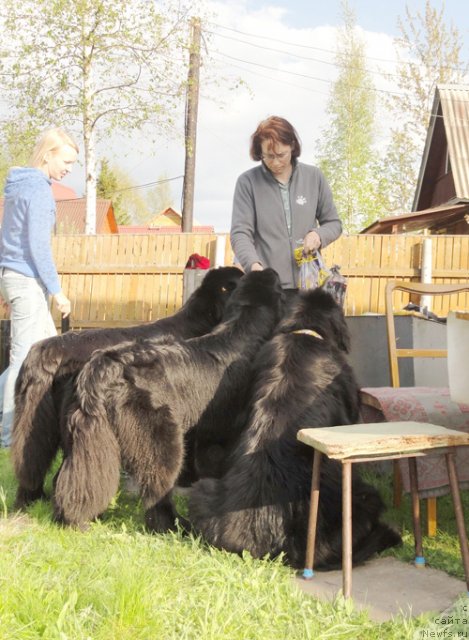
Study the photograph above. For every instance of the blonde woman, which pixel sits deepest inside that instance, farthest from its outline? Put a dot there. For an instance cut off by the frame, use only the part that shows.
(28, 275)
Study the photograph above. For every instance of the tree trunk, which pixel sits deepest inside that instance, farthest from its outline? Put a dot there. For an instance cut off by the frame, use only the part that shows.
(89, 135)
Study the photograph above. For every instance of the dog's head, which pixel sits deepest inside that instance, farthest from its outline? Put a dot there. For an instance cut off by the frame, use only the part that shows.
(316, 309)
(211, 296)
(258, 289)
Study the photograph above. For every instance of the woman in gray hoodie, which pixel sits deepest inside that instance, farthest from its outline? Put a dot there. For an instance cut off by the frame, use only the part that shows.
(27, 271)
(280, 204)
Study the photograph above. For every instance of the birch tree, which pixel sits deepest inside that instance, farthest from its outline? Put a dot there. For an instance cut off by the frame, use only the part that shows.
(346, 152)
(429, 52)
(94, 67)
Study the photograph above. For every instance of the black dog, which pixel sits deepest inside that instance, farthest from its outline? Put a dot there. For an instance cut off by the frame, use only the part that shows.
(136, 402)
(261, 504)
(44, 378)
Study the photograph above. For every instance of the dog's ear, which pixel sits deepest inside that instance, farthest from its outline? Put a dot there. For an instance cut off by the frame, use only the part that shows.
(232, 278)
(222, 279)
(259, 288)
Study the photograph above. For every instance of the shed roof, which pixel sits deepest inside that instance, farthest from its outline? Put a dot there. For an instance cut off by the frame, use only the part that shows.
(451, 102)
(435, 219)
(62, 192)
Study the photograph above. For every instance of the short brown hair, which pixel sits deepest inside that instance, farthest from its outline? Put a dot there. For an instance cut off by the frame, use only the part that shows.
(278, 131)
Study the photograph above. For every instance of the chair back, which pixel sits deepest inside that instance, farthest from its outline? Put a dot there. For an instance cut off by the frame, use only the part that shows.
(412, 288)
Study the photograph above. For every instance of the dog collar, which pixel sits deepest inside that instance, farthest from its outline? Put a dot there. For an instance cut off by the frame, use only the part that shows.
(309, 332)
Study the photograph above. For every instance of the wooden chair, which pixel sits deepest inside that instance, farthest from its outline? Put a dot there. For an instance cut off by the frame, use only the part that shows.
(374, 442)
(374, 396)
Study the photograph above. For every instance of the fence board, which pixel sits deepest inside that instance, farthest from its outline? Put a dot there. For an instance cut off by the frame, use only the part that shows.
(126, 279)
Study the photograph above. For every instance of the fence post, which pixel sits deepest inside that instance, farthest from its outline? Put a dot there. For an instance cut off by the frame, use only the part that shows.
(220, 248)
(426, 272)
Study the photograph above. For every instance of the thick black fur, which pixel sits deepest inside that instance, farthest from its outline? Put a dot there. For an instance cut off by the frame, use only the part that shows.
(52, 363)
(136, 402)
(261, 503)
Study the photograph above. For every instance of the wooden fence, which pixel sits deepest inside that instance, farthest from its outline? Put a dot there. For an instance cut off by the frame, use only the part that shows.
(369, 261)
(128, 279)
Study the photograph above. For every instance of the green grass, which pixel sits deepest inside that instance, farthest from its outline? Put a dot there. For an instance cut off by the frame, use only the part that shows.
(115, 581)
(441, 551)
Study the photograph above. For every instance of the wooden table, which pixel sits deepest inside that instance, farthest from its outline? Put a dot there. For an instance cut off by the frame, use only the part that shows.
(381, 441)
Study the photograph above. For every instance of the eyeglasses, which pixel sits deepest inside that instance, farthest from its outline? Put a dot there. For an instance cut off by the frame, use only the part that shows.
(275, 156)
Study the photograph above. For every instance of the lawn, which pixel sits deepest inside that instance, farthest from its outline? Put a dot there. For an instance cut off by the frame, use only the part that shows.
(117, 582)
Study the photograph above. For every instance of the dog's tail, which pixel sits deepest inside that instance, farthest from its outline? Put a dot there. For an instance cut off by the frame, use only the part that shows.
(116, 420)
(35, 436)
(89, 476)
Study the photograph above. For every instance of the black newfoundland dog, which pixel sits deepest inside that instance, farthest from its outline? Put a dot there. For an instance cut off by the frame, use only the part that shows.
(261, 503)
(43, 387)
(136, 402)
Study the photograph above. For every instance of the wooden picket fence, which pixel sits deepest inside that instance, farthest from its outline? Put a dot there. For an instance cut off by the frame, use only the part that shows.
(369, 261)
(118, 280)
(121, 280)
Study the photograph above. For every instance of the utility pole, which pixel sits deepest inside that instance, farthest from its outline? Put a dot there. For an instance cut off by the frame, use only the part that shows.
(192, 104)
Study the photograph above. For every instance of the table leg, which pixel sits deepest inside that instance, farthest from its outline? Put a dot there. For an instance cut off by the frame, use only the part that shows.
(431, 517)
(397, 484)
(347, 528)
(308, 572)
(458, 512)
(419, 559)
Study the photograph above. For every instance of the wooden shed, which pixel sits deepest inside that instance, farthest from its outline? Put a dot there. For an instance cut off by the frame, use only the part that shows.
(441, 202)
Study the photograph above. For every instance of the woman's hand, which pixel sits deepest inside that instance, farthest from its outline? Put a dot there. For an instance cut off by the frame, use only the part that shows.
(63, 304)
(311, 242)
(256, 266)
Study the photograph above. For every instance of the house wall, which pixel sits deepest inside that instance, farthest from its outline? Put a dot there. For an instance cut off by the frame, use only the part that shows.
(443, 190)
(438, 184)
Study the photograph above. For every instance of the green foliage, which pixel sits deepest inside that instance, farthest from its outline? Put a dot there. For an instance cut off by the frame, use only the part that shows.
(131, 202)
(429, 53)
(114, 183)
(100, 62)
(160, 197)
(107, 187)
(94, 66)
(368, 183)
(346, 149)
(17, 142)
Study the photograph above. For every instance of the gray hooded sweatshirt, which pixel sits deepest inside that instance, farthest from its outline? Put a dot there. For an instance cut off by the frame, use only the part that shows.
(259, 231)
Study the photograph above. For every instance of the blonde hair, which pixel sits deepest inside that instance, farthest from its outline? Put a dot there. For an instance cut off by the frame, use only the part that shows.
(50, 140)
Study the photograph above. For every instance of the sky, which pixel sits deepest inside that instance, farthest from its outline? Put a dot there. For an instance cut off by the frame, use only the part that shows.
(283, 52)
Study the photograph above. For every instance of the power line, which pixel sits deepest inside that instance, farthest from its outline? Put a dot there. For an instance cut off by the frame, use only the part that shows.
(303, 75)
(262, 75)
(296, 55)
(434, 115)
(330, 51)
(146, 185)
